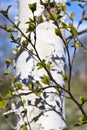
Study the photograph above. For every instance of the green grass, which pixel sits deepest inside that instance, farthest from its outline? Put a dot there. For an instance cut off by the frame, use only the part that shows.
(72, 112)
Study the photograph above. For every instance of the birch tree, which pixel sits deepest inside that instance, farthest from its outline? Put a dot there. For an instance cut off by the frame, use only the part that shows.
(40, 69)
(38, 86)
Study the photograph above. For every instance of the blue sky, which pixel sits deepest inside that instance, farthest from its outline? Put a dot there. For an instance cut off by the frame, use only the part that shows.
(76, 9)
(6, 47)
(13, 12)
(5, 3)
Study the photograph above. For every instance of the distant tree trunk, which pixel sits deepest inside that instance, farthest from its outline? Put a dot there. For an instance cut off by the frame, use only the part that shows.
(44, 112)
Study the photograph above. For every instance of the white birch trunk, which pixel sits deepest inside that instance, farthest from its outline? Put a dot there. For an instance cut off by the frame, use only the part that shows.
(46, 112)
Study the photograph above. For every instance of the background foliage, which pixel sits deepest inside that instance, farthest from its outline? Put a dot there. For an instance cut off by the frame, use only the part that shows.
(77, 88)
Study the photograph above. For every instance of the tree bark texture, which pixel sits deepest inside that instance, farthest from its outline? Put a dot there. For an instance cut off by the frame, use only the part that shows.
(44, 112)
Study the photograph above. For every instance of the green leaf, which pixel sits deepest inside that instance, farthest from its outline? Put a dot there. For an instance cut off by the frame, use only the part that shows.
(9, 95)
(18, 85)
(36, 89)
(70, 25)
(58, 32)
(67, 41)
(30, 86)
(23, 101)
(32, 7)
(25, 127)
(82, 119)
(38, 93)
(64, 25)
(64, 77)
(5, 12)
(64, 8)
(45, 4)
(40, 20)
(45, 80)
(11, 36)
(61, 7)
(72, 15)
(25, 43)
(24, 111)
(2, 103)
(12, 78)
(10, 28)
(83, 99)
(54, 15)
(74, 32)
(7, 72)
(31, 21)
(40, 65)
(31, 28)
(76, 44)
(48, 65)
(8, 62)
(15, 50)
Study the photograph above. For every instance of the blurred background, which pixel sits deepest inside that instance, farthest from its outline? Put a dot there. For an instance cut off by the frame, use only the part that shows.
(79, 78)
(6, 52)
